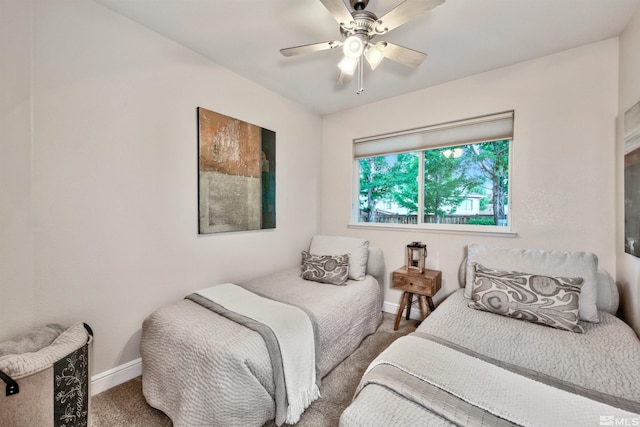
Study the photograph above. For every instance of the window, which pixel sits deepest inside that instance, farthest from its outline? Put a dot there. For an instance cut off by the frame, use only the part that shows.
(466, 205)
(448, 176)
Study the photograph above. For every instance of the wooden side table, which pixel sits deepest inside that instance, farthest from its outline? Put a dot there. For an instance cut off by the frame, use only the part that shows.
(424, 285)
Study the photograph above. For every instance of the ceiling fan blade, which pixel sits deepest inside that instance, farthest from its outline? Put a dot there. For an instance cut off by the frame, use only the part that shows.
(406, 11)
(405, 56)
(309, 48)
(338, 10)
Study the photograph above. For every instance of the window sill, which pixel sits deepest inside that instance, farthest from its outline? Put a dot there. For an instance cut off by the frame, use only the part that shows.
(493, 232)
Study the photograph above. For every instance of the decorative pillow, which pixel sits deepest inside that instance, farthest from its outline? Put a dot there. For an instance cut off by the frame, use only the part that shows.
(325, 268)
(551, 301)
(356, 248)
(542, 262)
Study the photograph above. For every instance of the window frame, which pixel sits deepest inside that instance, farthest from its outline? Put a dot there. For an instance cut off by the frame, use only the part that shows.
(497, 230)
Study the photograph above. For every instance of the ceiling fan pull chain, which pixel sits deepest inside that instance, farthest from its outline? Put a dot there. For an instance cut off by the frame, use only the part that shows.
(360, 75)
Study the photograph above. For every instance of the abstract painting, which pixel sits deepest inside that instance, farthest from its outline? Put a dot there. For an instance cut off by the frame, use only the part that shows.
(632, 181)
(237, 174)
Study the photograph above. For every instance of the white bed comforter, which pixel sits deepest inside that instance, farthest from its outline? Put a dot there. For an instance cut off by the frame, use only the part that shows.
(292, 352)
(202, 369)
(602, 364)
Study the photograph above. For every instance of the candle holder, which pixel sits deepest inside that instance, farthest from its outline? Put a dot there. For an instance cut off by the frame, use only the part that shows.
(416, 255)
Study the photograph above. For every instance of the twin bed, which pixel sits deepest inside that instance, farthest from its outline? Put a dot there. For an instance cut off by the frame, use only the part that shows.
(203, 369)
(484, 365)
(470, 367)
(463, 365)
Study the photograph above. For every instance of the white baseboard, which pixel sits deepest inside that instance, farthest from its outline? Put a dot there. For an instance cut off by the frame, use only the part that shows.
(113, 377)
(389, 307)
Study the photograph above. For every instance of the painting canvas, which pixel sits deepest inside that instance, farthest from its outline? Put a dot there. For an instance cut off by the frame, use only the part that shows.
(632, 180)
(237, 174)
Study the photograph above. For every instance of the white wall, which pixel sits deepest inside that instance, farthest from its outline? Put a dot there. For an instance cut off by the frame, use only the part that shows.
(563, 156)
(114, 175)
(628, 273)
(16, 262)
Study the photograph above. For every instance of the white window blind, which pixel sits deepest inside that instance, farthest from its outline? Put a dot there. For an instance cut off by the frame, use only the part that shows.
(474, 130)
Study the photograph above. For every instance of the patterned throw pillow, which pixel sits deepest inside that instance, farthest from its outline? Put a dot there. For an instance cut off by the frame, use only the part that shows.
(332, 269)
(551, 301)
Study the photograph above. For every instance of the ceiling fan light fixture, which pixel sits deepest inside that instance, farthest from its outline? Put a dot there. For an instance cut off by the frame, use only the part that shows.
(353, 46)
(348, 65)
(375, 54)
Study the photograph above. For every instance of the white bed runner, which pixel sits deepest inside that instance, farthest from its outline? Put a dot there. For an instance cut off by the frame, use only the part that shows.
(503, 393)
(294, 332)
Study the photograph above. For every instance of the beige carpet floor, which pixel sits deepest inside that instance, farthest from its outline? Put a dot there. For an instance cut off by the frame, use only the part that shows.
(124, 405)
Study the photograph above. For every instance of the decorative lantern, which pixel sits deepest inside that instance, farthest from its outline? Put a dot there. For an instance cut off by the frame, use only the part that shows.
(416, 255)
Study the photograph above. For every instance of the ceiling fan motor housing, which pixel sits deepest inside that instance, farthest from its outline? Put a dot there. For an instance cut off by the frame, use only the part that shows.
(363, 23)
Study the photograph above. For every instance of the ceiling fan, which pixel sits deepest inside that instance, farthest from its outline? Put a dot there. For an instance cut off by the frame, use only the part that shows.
(359, 27)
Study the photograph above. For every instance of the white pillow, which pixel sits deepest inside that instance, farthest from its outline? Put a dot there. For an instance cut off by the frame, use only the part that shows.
(358, 250)
(543, 262)
(608, 297)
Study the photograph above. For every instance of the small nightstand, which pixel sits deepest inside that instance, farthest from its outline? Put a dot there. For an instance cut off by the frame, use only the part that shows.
(425, 285)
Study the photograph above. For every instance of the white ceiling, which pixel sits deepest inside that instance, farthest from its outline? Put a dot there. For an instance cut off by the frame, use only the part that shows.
(461, 37)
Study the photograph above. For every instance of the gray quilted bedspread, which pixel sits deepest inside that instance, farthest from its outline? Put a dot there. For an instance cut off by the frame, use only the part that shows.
(604, 361)
(202, 369)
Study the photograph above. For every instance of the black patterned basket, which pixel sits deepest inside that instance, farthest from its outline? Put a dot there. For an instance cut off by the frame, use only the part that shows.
(46, 378)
